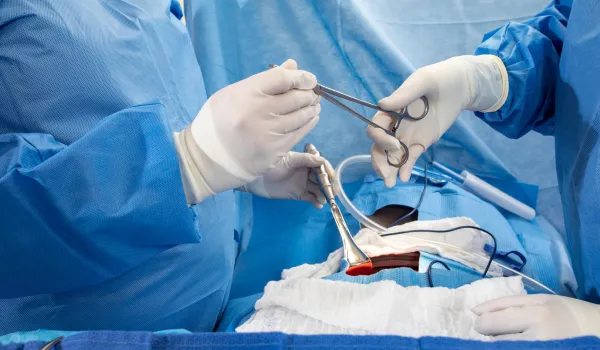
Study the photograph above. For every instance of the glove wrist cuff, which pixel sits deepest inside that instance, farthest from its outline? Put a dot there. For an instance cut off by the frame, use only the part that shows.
(203, 131)
(499, 69)
(194, 185)
(488, 81)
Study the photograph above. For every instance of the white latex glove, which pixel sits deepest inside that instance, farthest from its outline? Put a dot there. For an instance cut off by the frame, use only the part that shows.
(476, 83)
(291, 178)
(245, 128)
(537, 317)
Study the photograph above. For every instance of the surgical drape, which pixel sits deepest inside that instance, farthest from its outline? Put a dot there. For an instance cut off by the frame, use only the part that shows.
(95, 229)
(552, 62)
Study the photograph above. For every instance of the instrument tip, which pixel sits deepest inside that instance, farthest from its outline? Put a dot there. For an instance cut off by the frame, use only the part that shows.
(310, 148)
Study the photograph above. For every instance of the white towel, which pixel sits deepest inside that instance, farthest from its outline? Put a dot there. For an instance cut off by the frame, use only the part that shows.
(315, 306)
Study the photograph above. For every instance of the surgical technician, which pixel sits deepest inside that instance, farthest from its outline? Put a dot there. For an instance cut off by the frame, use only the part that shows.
(104, 141)
(543, 75)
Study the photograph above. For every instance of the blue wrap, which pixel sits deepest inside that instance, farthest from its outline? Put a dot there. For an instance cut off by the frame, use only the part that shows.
(82, 216)
(553, 73)
(44, 335)
(96, 233)
(234, 341)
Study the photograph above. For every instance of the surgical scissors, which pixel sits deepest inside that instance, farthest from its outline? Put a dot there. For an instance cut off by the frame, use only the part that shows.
(329, 93)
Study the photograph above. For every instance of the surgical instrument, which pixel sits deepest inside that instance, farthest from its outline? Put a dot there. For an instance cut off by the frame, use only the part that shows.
(51, 344)
(359, 262)
(487, 192)
(329, 93)
(476, 186)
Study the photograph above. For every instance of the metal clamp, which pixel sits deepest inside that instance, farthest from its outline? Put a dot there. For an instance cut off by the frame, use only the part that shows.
(52, 343)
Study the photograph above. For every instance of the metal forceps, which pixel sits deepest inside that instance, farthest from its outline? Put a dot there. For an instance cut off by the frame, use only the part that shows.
(397, 117)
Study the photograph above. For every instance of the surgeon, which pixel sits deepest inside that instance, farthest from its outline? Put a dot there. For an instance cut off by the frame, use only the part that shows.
(116, 175)
(543, 75)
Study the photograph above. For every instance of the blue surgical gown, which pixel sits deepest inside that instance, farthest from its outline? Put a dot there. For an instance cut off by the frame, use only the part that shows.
(553, 63)
(94, 227)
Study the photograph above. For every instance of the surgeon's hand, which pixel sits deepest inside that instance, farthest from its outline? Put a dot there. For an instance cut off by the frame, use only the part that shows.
(245, 128)
(291, 178)
(476, 83)
(537, 317)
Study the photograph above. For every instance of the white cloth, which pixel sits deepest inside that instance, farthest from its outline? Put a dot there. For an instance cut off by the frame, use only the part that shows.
(442, 244)
(316, 306)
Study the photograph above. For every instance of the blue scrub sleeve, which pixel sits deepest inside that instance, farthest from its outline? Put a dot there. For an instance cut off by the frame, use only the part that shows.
(531, 53)
(77, 215)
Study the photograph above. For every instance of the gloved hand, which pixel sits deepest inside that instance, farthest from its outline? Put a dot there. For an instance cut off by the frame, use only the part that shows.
(245, 128)
(291, 178)
(537, 317)
(476, 83)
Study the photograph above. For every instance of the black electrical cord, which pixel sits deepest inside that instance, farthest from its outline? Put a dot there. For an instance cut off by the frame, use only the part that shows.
(451, 230)
(441, 231)
(418, 203)
(429, 270)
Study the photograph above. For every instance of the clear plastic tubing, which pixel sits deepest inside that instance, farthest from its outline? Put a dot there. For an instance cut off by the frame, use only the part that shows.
(365, 221)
